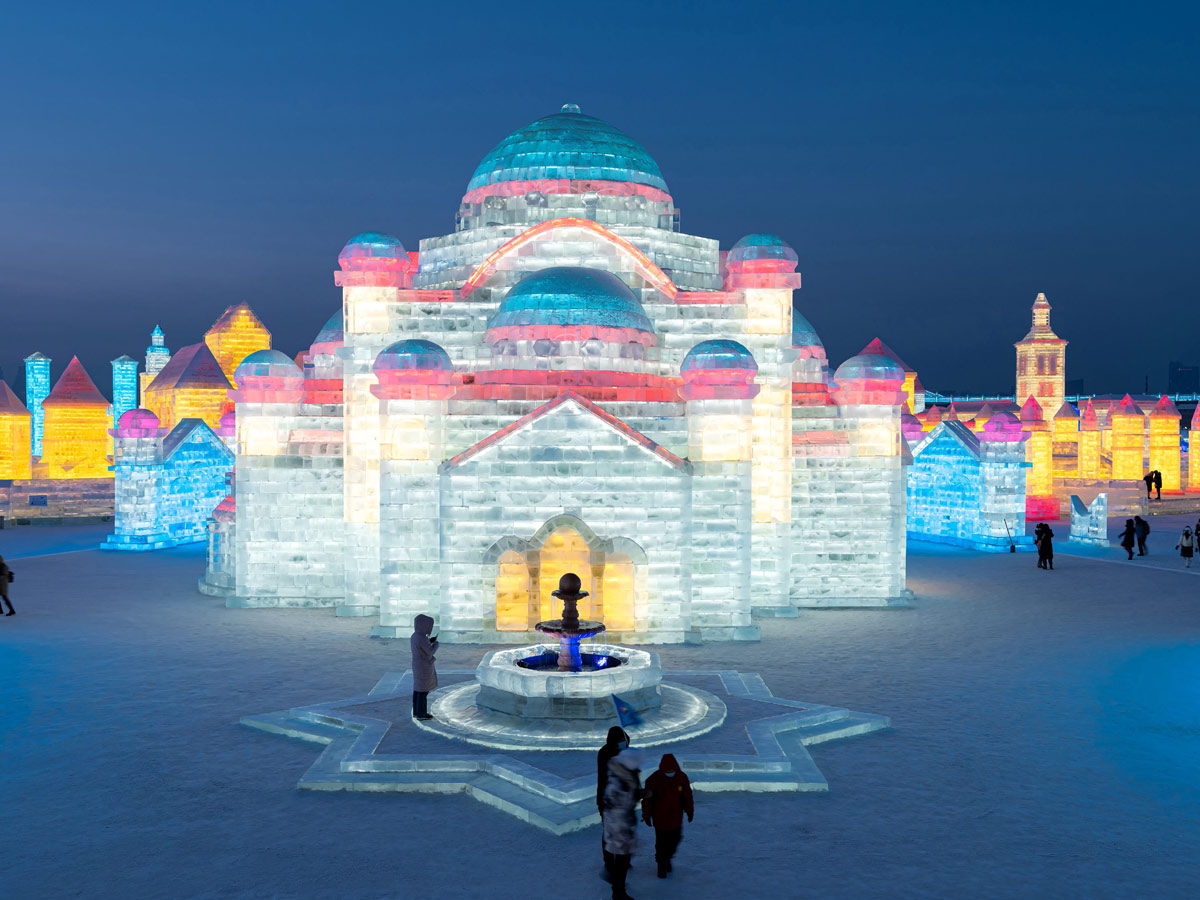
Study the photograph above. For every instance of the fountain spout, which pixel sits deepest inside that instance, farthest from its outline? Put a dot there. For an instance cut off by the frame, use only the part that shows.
(569, 629)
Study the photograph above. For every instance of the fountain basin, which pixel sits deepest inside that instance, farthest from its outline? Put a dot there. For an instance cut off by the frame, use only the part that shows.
(509, 688)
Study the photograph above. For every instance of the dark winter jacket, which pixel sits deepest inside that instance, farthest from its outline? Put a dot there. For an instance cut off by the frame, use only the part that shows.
(1141, 527)
(612, 746)
(667, 797)
(423, 652)
(1128, 536)
(621, 796)
(1045, 543)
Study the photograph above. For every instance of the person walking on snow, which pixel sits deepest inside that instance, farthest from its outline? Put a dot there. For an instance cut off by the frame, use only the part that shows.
(667, 799)
(1141, 528)
(1128, 536)
(1045, 544)
(424, 649)
(6, 576)
(617, 741)
(1157, 485)
(1186, 547)
(621, 795)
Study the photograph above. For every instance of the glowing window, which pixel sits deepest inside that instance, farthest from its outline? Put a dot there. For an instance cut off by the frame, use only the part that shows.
(512, 592)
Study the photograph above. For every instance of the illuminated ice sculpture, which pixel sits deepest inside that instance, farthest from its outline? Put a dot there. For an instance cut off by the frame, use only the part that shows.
(566, 383)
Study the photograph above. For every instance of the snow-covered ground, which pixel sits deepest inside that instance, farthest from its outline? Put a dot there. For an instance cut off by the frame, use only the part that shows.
(1045, 743)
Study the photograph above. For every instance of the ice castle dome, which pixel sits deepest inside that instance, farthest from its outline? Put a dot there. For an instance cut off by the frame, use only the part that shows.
(571, 303)
(718, 354)
(137, 423)
(568, 145)
(412, 356)
(869, 367)
(332, 331)
(374, 251)
(762, 246)
(267, 364)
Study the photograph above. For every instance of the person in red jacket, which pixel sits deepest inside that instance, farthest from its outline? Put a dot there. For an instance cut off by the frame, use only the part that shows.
(667, 797)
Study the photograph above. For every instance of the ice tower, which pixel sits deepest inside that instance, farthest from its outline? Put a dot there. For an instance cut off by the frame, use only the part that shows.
(124, 385)
(37, 389)
(16, 428)
(76, 441)
(1042, 361)
(157, 357)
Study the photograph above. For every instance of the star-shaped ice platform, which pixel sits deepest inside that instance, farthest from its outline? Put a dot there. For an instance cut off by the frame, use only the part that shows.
(372, 744)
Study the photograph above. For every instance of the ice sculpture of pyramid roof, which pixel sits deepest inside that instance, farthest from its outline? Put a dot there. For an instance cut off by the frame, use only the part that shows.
(191, 366)
(75, 388)
(1067, 411)
(228, 319)
(879, 348)
(10, 405)
(956, 430)
(1165, 407)
(186, 429)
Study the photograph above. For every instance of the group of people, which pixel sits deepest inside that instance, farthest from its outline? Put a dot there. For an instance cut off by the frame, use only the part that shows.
(666, 798)
(6, 577)
(1153, 480)
(1136, 531)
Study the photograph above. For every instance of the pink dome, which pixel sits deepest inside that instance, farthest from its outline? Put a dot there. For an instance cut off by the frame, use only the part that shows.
(137, 423)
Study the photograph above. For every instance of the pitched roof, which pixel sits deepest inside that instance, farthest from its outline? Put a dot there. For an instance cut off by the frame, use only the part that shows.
(1066, 411)
(1165, 407)
(225, 320)
(956, 430)
(879, 348)
(75, 388)
(9, 404)
(607, 418)
(1128, 408)
(191, 366)
(184, 430)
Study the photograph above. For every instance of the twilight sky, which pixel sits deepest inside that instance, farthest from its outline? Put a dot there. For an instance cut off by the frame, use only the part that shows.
(934, 164)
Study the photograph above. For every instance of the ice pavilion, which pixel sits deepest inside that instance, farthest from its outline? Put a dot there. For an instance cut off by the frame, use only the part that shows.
(567, 382)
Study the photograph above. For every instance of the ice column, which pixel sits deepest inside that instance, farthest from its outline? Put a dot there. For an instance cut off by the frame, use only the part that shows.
(1088, 458)
(1039, 453)
(1194, 452)
(37, 389)
(1128, 437)
(719, 387)
(374, 268)
(416, 379)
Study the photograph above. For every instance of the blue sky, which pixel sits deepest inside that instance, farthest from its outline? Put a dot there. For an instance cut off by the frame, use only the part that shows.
(934, 164)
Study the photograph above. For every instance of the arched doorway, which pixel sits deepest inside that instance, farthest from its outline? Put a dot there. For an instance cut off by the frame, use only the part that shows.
(618, 592)
(564, 550)
(512, 592)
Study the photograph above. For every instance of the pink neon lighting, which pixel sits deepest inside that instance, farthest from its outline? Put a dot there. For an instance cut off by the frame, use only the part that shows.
(645, 266)
(565, 186)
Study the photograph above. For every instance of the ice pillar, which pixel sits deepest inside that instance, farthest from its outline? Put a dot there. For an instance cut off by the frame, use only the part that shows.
(1164, 443)
(37, 389)
(1128, 440)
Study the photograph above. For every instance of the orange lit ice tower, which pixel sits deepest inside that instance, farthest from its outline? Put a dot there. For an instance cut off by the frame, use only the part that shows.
(1040, 502)
(1128, 424)
(1194, 452)
(1088, 457)
(235, 335)
(1164, 443)
(374, 270)
(1066, 440)
(1042, 361)
(76, 439)
(16, 430)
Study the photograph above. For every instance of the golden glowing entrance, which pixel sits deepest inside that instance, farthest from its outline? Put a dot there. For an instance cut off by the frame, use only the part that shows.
(527, 574)
(565, 551)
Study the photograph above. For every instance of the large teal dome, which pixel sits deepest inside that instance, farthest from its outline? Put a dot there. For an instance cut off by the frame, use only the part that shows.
(568, 145)
(571, 297)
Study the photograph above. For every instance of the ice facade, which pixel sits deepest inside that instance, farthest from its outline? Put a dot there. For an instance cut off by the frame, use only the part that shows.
(16, 429)
(75, 441)
(967, 489)
(1089, 521)
(566, 382)
(37, 389)
(167, 484)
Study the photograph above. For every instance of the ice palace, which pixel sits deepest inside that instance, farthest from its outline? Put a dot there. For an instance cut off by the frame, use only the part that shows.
(567, 382)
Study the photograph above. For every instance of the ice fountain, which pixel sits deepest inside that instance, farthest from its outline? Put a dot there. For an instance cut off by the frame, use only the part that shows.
(556, 697)
(569, 630)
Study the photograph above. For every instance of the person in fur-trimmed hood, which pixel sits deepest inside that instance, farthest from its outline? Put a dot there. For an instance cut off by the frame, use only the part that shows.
(667, 799)
(621, 796)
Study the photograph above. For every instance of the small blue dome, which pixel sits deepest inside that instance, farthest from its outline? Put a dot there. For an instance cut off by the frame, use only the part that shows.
(868, 367)
(377, 240)
(569, 145)
(571, 295)
(413, 355)
(332, 332)
(803, 334)
(267, 363)
(719, 354)
(762, 246)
